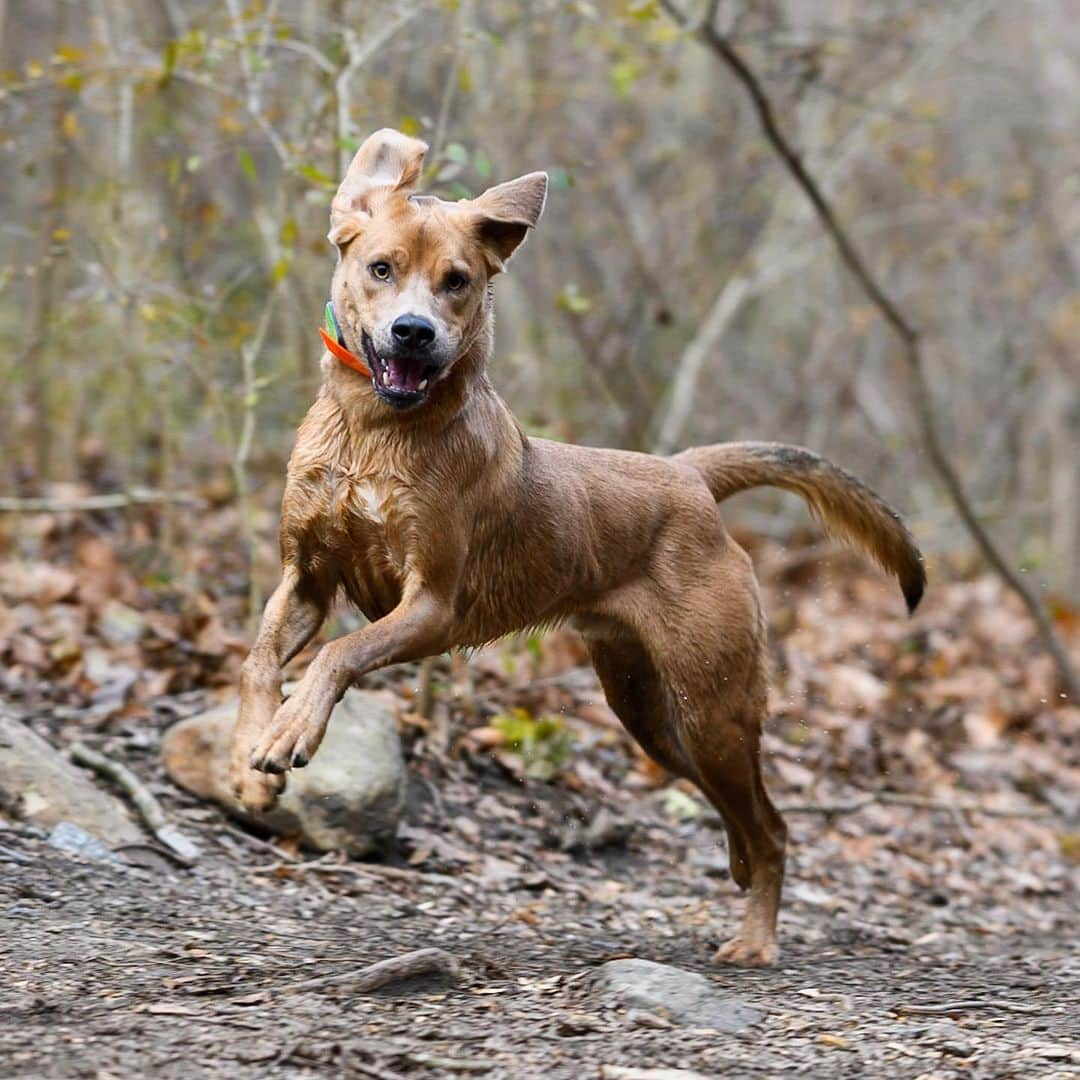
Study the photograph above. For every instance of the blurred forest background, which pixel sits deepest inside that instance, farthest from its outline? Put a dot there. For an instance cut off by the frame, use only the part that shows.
(167, 167)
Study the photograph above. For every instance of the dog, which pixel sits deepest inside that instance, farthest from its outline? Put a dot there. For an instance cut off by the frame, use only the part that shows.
(413, 490)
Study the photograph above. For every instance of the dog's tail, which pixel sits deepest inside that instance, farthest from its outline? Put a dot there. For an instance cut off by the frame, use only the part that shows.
(847, 508)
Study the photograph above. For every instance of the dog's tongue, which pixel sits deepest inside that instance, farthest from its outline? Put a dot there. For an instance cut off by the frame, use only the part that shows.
(404, 374)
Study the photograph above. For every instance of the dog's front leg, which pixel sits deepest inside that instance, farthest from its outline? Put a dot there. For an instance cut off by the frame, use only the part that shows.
(419, 626)
(293, 614)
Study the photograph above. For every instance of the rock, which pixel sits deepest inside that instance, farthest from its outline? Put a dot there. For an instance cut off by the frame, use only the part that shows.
(41, 786)
(349, 797)
(119, 624)
(684, 996)
(77, 841)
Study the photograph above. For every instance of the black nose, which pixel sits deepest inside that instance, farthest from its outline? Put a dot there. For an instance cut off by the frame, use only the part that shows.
(413, 332)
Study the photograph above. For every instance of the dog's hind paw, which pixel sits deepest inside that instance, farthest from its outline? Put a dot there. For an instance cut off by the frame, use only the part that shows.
(746, 952)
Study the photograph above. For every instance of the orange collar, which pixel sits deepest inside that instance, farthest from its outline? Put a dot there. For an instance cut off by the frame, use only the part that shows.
(347, 358)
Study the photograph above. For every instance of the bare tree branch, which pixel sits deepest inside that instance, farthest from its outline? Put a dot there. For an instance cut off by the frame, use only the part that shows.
(911, 348)
(90, 503)
(770, 259)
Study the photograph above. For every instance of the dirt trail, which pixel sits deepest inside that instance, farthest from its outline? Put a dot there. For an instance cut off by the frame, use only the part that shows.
(127, 971)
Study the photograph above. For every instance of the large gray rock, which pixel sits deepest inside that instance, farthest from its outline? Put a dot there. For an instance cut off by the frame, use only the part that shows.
(683, 996)
(350, 796)
(39, 785)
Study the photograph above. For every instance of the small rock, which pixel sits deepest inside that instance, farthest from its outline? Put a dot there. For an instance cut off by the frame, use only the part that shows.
(576, 1023)
(646, 1019)
(958, 1048)
(683, 807)
(604, 831)
(119, 624)
(43, 788)
(684, 996)
(349, 798)
(76, 841)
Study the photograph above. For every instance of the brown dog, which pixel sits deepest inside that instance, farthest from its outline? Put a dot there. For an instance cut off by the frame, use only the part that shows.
(416, 493)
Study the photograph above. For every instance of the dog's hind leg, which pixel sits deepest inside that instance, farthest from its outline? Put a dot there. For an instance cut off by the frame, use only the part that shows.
(640, 700)
(725, 751)
(646, 707)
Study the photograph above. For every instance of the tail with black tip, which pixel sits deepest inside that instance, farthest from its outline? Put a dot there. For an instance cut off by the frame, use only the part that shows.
(846, 507)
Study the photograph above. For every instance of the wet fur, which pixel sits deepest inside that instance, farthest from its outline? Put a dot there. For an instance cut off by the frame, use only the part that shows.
(449, 527)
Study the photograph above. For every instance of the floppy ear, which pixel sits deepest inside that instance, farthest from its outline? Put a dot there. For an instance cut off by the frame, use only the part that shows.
(386, 161)
(505, 214)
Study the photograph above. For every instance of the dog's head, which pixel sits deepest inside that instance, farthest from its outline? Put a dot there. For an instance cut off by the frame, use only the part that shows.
(411, 283)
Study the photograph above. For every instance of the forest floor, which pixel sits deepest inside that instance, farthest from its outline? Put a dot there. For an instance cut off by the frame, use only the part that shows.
(928, 768)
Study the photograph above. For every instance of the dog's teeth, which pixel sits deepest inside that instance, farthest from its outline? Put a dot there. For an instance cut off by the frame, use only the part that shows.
(423, 385)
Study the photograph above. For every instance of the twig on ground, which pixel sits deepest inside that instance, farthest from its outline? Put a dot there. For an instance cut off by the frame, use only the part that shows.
(918, 802)
(118, 500)
(905, 331)
(627, 1072)
(349, 1064)
(9, 856)
(449, 1064)
(216, 827)
(391, 873)
(950, 1007)
(157, 849)
(148, 807)
(394, 969)
(425, 695)
(400, 1048)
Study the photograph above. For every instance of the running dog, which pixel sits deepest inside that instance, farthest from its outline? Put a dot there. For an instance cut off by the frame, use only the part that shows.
(414, 491)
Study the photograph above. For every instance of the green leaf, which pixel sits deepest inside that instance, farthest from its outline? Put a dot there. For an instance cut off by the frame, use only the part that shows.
(316, 176)
(543, 743)
(289, 232)
(409, 125)
(280, 270)
(168, 61)
(573, 300)
(624, 75)
(456, 153)
(482, 165)
(459, 191)
(247, 163)
(560, 179)
(643, 10)
(464, 80)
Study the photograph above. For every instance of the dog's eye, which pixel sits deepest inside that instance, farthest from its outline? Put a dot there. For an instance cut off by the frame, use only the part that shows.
(380, 270)
(455, 282)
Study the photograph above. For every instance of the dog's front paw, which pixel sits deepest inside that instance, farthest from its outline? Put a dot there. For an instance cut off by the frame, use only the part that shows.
(291, 740)
(747, 952)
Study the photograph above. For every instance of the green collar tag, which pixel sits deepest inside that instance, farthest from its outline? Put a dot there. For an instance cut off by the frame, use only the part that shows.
(331, 324)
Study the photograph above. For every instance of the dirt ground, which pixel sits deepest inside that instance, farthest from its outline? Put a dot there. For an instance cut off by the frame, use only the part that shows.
(927, 768)
(121, 971)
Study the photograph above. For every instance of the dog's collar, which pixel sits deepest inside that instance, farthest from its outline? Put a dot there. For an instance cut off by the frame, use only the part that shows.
(335, 343)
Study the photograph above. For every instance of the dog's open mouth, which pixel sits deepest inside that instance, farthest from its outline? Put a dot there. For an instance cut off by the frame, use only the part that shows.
(400, 380)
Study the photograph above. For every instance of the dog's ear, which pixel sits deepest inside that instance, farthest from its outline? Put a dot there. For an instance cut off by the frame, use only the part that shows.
(386, 161)
(505, 213)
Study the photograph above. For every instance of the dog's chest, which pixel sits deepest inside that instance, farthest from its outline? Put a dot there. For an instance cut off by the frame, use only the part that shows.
(364, 511)
(364, 525)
